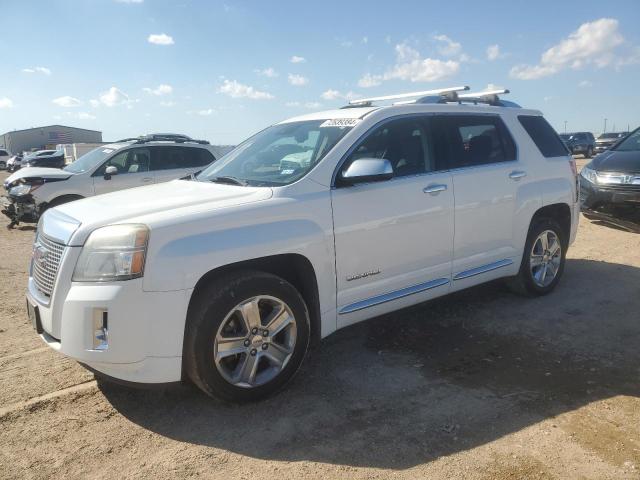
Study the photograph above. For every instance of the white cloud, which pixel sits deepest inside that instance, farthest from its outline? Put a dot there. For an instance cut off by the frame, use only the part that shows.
(593, 43)
(205, 113)
(365, 40)
(94, 103)
(267, 72)
(369, 80)
(585, 84)
(114, 97)
(297, 80)
(167, 104)
(292, 104)
(448, 47)
(160, 39)
(6, 102)
(67, 101)
(493, 52)
(297, 59)
(346, 43)
(410, 66)
(160, 90)
(235, 89)
(84, 116)
(336, 94)
(43, 70)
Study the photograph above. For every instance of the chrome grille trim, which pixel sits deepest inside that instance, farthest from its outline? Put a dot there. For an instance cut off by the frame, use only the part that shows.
(45, 272)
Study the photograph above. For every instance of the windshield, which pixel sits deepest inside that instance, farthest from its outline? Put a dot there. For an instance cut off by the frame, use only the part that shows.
(89, 160)
(278, 155)
(629, 144)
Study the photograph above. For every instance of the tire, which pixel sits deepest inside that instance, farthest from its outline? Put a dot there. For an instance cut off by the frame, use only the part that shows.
(527, 281)
(589, 153)
(3, 165)
(216, 315)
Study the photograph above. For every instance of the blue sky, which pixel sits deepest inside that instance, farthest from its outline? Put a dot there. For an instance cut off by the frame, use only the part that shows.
(223, 70)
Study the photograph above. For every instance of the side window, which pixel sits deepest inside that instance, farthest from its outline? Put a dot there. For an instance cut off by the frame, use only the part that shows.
(543, 135)
(170, 158)
(198, 157)
(479, 140)
(3, 153)
(135, 160)
(403, 142)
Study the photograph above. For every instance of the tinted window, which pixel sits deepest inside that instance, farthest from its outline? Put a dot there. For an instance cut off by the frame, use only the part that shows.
(134, 160)
(3, 153)
(478, 140)
(543, 135)
(629, 144)
(403, 142)
(198, 157)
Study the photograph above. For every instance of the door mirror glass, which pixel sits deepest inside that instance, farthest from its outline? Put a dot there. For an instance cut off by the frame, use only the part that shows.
(367, 170)
(109, 171)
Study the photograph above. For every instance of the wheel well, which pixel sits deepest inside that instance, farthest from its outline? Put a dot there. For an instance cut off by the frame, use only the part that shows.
(294, 268)
(560, 212)
(63, 199)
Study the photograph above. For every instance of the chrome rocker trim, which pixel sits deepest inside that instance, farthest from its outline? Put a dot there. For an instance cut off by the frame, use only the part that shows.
(484, 269)
(387, 297)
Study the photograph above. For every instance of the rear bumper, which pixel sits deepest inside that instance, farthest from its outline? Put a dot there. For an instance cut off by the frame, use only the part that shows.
(594, 196)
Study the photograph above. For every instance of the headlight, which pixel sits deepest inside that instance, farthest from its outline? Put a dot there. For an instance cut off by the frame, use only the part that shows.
(589, 174)
(22, 189)
(116, 252)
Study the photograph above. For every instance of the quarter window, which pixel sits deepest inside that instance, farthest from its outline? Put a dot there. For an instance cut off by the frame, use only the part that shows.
(478, 140)
(543, 135)
(404, 142)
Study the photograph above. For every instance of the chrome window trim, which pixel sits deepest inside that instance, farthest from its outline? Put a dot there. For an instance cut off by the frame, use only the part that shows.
(472, 272)
(395, 295)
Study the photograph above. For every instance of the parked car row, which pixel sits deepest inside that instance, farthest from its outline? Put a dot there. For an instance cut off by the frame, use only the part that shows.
(584, 143)
(225, 277)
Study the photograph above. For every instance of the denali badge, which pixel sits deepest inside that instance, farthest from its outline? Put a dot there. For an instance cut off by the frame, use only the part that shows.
(358, 276)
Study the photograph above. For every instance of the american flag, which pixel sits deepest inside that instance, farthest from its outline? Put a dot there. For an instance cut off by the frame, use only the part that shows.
(60, 137)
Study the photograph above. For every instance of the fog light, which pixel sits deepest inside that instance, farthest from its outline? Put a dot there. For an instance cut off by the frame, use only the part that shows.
(100, 329)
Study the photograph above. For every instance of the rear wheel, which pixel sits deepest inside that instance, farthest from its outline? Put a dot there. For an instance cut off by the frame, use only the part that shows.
(589, 153)
(247, 334)
(543, 259)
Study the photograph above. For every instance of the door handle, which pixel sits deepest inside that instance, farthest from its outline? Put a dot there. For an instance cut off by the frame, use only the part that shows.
(147, 180)
(434, 189)
(517, 175)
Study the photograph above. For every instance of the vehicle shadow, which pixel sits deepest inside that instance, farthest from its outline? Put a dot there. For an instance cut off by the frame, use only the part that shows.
(627, 219)
(442, 377)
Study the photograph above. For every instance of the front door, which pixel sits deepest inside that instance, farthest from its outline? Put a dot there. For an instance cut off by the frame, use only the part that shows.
(394, 238)
(133, 171)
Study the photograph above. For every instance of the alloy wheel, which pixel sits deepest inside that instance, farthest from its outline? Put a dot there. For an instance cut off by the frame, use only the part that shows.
(545, 258)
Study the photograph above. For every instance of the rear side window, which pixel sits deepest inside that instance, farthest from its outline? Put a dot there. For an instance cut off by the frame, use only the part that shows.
(478, 140)
(169, 158)
(543, 135)
(198, 157)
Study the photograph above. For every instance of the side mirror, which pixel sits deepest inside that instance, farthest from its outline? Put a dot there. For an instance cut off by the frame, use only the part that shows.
(365, 170)
(109, 171)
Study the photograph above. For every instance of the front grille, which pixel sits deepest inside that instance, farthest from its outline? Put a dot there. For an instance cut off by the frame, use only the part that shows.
(46, 260)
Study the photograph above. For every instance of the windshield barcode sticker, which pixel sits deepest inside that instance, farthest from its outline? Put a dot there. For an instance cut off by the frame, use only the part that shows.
(340, 122)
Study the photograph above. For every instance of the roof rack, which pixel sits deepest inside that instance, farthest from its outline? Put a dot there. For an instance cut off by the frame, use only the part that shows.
(450, 92)
(442, 95)
(164, 137)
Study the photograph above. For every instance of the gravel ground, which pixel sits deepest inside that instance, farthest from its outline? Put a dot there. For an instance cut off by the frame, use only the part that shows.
(481, 384)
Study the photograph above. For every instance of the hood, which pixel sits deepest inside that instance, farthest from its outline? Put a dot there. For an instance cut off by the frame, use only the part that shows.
(615, 161)
(175, 197)
(29, 173)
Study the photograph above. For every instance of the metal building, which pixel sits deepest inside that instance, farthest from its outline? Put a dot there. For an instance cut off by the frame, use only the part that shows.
(41, 138)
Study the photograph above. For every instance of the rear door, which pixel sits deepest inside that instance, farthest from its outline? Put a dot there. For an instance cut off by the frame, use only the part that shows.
(133, 167)
(171, 162)
(486, 175)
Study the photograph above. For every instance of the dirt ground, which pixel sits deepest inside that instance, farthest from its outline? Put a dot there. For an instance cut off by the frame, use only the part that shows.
(482, 384)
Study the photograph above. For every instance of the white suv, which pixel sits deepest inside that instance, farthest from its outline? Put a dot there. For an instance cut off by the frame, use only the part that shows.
(129, 163)
(311, 225)
(4, 158)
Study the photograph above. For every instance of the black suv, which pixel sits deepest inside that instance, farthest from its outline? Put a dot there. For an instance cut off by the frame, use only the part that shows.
(580, 143)
(45, 158)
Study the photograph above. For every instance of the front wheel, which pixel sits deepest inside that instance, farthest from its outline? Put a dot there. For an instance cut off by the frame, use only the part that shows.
(543, 259)
(247, 334)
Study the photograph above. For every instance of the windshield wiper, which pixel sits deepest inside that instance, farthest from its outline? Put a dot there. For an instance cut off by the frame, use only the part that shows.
(229, 180)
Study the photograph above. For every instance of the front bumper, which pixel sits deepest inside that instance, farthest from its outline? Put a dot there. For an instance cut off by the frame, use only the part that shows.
(593, 196)
(599, 148)
(144, 330)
